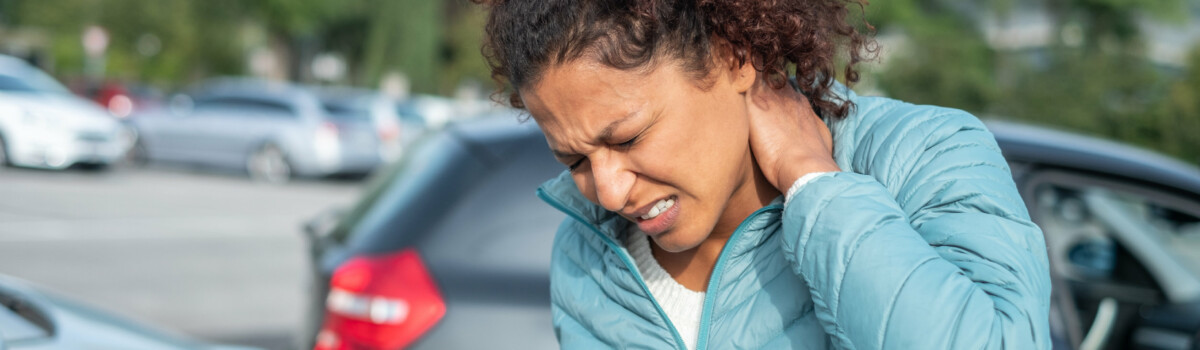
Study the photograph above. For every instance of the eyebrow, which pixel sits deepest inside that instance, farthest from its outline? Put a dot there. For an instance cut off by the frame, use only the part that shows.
(605, 133)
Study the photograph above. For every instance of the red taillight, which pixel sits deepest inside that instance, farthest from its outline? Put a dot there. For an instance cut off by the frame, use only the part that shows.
(120, 106)
(389, 132)
(328, 129)
(380, 302)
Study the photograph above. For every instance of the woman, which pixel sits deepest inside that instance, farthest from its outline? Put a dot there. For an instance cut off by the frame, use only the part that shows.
(714, 205)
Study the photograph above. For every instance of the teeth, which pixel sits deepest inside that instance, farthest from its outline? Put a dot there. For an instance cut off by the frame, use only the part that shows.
(659, 208)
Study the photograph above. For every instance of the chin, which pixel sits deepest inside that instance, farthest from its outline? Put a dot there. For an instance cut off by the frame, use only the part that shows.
(675, 244)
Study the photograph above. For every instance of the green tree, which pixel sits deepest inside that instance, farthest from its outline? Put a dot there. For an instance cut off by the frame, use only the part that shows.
(1093, 76)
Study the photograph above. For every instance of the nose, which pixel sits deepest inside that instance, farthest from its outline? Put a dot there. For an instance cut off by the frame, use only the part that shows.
(613, 181)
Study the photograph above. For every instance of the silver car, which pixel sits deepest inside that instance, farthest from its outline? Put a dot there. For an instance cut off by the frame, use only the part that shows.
(42, 125)
(374, 112)
(274, 131)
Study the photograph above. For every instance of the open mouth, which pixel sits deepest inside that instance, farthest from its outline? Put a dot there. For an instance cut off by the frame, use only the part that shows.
(660, 217)
(659, 208)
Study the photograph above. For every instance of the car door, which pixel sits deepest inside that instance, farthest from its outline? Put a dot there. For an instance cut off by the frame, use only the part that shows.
(171, 136)
(1119, 250)
(228, 128)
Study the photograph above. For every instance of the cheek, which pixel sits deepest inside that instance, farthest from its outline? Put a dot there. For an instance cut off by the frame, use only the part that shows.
(717, 149)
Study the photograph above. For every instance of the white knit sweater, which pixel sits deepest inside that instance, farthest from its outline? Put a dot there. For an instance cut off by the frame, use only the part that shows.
(682, 305)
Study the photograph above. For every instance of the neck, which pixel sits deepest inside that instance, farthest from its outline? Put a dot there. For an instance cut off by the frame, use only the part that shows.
(692, 268)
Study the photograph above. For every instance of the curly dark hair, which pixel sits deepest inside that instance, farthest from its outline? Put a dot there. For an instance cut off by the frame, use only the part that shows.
(524, 36)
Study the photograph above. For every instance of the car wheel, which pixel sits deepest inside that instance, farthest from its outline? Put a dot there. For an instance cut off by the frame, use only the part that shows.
(4, 163)
(136, 155)
(269, 164)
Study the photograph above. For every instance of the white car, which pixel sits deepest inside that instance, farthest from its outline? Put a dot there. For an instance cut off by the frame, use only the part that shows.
(43, 125)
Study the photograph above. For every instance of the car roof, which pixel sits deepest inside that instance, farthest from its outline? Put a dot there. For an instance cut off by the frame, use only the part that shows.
(489, 133)
(1043, 146)
(253, 87)
(1019, 142)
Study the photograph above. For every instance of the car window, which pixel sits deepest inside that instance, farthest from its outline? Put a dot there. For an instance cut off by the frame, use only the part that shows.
(501, 225)
(246, 106)
(35, 81)
(1106, 230)
(347, 112)
(409, 113)
(12, 84)
(410, 195)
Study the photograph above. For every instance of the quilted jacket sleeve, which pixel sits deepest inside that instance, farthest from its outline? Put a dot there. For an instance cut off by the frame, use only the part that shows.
(933, 249)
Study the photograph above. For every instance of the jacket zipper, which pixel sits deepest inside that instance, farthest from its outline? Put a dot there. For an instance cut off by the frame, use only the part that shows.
(706, 312)
(612, 245)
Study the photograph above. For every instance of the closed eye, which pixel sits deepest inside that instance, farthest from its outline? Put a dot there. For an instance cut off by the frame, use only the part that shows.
(627, 144)
(575, 165)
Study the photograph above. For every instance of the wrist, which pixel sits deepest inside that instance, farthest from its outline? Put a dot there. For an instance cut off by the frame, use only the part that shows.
(793, 172)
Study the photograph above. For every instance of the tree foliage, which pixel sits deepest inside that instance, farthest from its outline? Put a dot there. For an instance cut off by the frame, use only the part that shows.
(1093, 75)
(425, 40)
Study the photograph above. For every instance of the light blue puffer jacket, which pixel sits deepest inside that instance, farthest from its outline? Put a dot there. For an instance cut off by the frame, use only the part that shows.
(921, 242)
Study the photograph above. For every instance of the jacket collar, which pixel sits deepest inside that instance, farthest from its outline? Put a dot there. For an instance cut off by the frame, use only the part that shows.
(562, 193)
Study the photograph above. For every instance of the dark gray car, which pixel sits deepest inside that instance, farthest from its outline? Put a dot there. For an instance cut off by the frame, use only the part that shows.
(450, 248)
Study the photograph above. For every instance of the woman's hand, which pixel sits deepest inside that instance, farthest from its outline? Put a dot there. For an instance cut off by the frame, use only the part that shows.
(786, 136)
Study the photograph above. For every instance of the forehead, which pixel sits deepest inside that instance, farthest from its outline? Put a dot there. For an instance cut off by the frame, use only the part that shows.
(584, 92)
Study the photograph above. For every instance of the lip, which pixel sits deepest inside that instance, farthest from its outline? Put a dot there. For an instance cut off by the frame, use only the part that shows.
(659, 224)
(645, 209)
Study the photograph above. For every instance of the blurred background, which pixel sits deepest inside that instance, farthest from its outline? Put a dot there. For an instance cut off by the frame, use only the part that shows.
(172, 160)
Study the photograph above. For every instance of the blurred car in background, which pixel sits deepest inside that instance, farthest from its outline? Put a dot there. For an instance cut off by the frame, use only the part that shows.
(274, 131)
(419, 113)
(375, 117)
(450, 248)
(42, 125)
(33, 319)
(123, 99)
(415, 112)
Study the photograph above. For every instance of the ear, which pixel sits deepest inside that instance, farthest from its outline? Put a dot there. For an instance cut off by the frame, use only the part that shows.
(743, 76)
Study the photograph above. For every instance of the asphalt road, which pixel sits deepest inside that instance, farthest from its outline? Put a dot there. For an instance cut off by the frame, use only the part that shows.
(213, 256)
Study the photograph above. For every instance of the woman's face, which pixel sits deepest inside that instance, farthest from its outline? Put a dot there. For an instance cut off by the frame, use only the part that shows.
(656, 148)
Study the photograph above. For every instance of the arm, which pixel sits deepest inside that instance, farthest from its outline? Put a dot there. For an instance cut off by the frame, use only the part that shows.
(958, 265)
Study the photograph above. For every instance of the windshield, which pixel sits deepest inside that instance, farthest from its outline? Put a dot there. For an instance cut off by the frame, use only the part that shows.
(1106, 229)
(1176, 231)
(30, 81)
(346, 112)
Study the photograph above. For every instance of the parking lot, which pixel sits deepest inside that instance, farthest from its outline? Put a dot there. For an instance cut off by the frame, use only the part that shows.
(213, 256)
